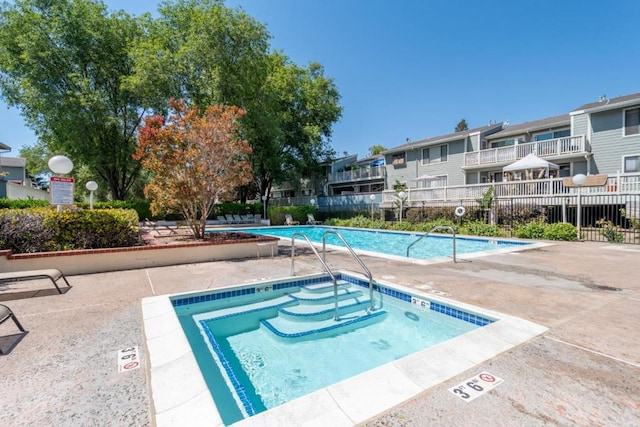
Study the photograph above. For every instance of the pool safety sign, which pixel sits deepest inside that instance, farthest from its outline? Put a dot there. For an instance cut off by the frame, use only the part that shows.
(476, 386)
(128, 359)
(61, 190)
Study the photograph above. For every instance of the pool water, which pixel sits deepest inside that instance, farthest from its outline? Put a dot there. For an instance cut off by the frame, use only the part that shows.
(249, 368)
(391, 242)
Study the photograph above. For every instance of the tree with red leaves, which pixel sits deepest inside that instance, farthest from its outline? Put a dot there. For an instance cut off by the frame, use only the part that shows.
(196, 160)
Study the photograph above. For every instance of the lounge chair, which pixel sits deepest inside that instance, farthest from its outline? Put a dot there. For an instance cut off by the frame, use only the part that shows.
(159, 228)
(312, 221)
(52, 274)
(288, 220)
(6, 314)
(222, 220)
(230, 219)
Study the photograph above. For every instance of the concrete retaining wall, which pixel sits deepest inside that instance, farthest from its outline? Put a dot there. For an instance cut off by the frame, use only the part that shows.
(101, 260)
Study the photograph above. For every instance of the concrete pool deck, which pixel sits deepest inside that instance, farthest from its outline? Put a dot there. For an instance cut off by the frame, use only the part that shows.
(584, 370)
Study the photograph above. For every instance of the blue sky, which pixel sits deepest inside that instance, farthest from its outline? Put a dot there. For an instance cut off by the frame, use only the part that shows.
(413, 69)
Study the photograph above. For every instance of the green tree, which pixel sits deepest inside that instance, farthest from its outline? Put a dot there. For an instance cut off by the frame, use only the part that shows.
(291, 129)
(63, 64)
(374, 150)
(196, 159)
(462, 125)
(208, 54)
(202, 52)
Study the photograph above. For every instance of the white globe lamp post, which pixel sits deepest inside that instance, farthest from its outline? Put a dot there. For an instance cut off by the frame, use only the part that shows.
(579, 180)
(372, 197)
(60, 164)
(402, 195)
(91, 186)
(264, 205)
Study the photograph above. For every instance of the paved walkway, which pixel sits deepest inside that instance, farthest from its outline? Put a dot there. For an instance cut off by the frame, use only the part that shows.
(583, 371)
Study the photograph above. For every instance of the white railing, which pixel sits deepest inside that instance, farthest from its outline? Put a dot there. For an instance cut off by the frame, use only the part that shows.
(358, 174)
(547, 148)
(621, 184)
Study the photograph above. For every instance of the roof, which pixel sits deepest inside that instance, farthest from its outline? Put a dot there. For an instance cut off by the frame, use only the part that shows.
(4, 147)
(536, 125)
(607, 104)
(444, 138)
(16, 162)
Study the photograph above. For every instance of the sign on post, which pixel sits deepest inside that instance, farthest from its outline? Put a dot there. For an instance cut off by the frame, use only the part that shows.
(61, 190)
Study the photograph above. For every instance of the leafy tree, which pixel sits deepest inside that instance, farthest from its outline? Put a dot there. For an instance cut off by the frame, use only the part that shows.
(206, 53)
(462, 125)
(196, 160)
(63, 64)
(202, 52)
(374, 150)
(291, 125)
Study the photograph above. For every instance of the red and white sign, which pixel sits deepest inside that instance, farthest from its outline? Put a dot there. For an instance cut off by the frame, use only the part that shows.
(61, 190)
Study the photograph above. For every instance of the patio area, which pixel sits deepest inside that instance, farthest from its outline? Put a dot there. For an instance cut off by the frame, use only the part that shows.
(583, 371)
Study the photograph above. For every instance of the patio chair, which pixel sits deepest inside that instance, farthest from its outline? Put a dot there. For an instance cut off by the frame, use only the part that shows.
(311, 220)
(159, 228)
(288, 220)
(6, 314)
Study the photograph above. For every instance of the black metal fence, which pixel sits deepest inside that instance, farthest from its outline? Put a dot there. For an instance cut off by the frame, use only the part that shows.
(611, 218)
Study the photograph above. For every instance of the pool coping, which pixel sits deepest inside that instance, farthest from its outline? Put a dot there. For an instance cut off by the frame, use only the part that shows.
(180, 394)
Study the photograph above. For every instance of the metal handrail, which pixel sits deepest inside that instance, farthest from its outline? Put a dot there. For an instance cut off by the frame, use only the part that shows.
(437, 227)
(357, 258)
(336, 317)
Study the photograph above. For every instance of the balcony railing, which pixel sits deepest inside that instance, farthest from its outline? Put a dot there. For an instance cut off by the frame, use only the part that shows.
(622, 184)
(547, 148)
(358, 174)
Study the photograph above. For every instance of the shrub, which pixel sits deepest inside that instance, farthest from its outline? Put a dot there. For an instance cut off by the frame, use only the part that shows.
(298, 213)
(531, 230)
(479, 228)
(560, 231)
(23, 204)
(610, 231)
(44, 230)
(24, 231)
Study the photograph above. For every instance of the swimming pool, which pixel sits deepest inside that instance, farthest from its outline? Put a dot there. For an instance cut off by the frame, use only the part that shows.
(182, 331)
(394, 244)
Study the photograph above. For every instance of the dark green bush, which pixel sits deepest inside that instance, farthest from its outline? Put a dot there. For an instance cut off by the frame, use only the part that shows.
(560, 231)
(298, 213)
(23, 204)
(479, 228)
(44, 230)
(24, 231)
(531, 230)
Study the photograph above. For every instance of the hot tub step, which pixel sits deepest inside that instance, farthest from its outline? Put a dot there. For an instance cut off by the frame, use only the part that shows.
(287, 330)
(313, 312)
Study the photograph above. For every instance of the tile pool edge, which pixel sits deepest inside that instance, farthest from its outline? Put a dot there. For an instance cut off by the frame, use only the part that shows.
(180, 396)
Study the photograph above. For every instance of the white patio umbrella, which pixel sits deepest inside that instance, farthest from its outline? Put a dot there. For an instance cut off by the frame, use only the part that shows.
(531, 162)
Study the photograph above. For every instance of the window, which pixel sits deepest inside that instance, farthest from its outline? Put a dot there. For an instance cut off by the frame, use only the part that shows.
(436, 154)
(553, 135)
(435, 182)
(631, 164)
(631, 123)
(505, 143)
(398, 160)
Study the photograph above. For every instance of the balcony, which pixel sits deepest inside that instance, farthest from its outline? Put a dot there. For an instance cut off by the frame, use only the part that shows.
(367, 173)
(620, 184)
(548, 148)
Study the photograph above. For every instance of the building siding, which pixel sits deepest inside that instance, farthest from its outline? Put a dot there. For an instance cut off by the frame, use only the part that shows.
(608, 144)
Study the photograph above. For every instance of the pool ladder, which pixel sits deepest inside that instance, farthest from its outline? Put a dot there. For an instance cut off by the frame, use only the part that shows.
(336, 315)
(437, 227)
